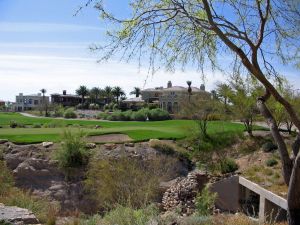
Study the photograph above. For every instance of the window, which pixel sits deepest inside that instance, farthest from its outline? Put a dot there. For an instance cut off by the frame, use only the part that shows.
(36, 102)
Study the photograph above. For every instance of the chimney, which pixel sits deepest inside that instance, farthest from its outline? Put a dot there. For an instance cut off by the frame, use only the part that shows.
(202, 87)
(64, 92)
(169, 84)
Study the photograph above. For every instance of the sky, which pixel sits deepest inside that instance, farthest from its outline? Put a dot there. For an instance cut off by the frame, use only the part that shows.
(43, 45)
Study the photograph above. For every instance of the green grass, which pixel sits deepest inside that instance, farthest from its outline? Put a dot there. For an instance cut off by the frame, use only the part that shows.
(138, 131)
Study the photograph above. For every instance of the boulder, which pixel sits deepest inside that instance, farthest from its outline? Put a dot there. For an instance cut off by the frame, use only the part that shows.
(47, 144)
(110, 146)
(90, 145)
(17, 215)
(3, 141)
(129, 144)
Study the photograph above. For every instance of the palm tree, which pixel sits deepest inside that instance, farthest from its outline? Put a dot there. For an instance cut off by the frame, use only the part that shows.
(225, 91)
(189, 83)
(136, 91)
(95, 92)
(43, 91)
(108, 93)
(82, 91)
(118, 92)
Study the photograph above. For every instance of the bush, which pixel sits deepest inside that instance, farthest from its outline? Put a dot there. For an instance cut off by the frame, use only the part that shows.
(271, 162)
(163, 147)
(69, 113)
(126, 181)
(228, 165)
(269, 146)
(36, 125)
(140, 115)
(58, 111)
(6, 179)
(72, 152)
(54, 124)
(158, 114)
(205, 202)
(15, 124)
(94, 106)
(128, 216)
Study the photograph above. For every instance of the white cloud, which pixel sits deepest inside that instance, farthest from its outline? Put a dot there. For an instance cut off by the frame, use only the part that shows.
(44, 27)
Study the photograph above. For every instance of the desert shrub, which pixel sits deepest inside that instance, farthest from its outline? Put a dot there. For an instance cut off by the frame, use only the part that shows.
(102, 115)
(271, 162)
(6, 179)
(128, 216)
(126, 181)
(228, 165)
(3, 222)
(127, 115)
(162, 146)
(58, 111)
(15, 124)
(205, 202)
(36, 125)
(72, 152)
(94, 106)
(158, 114)
(54, 124)
(214, 117)
(70, 113)
(19, 198)
(140, 115)
(269, 146)
(115, 107)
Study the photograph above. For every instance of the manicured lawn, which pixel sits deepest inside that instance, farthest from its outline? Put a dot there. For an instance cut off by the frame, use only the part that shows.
(138, 131)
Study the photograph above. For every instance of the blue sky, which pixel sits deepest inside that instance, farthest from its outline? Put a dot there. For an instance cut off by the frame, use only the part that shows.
(42, 45)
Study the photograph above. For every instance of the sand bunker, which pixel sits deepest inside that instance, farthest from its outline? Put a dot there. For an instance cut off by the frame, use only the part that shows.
(107, 138)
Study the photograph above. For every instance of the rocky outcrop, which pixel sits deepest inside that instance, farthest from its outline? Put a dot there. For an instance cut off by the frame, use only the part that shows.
(182, 193)
(16, 215)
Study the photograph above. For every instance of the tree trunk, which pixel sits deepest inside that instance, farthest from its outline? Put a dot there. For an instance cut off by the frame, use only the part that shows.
(294, 194)
(284, 155)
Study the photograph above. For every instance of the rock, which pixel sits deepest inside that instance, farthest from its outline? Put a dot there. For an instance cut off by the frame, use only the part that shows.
(97, 126)
(3, 141)
(47, 144)
(182, 193)
(90, 145)
(17, 215)
(129, 144)
(110, 146)
(190, 149)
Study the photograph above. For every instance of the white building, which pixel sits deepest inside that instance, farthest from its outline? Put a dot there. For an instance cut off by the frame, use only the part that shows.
(30, 102)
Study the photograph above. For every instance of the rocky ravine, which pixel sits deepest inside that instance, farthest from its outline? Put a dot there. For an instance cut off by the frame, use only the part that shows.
(34, 170)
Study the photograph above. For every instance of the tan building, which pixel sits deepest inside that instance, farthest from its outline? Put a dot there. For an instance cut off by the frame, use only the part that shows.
(30, 102)
(170, 98)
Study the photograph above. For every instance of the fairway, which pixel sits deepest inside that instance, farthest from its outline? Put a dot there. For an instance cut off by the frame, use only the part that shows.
(138, 131)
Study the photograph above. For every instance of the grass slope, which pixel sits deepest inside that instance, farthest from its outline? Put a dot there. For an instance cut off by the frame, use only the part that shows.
(138, 131)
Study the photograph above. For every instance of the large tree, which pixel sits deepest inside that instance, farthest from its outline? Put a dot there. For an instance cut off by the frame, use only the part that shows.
(117, 93)
(136, 91)
(83, 91)
(259, 34)
(45, 104)
(95, 92)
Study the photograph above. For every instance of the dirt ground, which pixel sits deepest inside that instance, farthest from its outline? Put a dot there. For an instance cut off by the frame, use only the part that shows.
(106, 138)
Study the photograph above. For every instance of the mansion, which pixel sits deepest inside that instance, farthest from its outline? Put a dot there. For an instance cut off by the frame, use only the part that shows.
(171, 97)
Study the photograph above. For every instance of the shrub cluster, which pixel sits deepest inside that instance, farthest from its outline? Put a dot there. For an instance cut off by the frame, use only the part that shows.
(72, 152)
(271, 162)
(228, 165)
(205, 202)
(126, 181)
(70, 113)
(269, 146)
(15, 124)
(141, 115)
